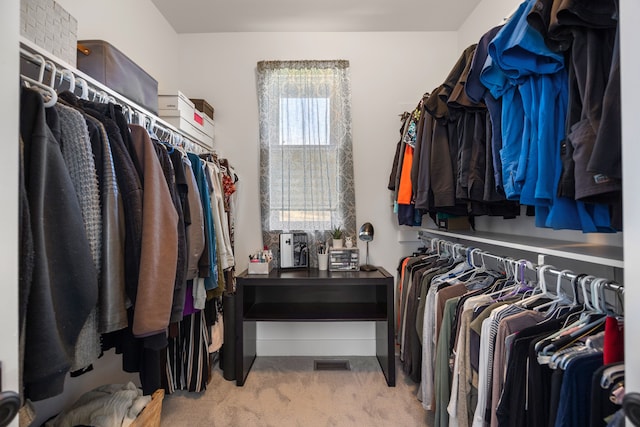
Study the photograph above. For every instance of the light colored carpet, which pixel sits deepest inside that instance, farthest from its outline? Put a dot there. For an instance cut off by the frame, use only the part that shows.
(287, 392)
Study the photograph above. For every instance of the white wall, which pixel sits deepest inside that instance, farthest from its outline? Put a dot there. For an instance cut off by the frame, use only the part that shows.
(136, 28)
(486, 15)
(9, 32)
(389, 74)
(630, 63)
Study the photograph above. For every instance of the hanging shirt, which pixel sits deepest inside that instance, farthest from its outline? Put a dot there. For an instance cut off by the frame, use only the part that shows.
(208, 267)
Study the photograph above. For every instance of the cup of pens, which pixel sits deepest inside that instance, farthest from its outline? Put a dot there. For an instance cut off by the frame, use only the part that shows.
(323, 257)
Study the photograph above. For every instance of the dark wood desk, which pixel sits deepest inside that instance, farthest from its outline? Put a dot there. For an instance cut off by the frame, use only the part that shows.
(313, 295)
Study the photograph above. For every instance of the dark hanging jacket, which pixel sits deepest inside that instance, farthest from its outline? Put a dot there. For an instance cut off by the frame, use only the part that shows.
(64, 285)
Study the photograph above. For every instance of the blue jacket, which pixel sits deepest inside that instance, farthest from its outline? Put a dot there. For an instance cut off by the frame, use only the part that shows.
(532, 81)
(208, 263)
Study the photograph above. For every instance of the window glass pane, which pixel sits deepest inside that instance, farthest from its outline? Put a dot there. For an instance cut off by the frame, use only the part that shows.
(304, 180)
(304, 121)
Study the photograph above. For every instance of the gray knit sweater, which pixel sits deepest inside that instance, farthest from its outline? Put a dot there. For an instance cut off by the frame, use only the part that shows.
(77, 154)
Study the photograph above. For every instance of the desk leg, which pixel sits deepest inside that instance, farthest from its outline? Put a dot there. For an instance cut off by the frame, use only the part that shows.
(245, 351)
(385, 350)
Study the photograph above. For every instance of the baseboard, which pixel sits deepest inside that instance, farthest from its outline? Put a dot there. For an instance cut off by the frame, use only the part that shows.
(327, 347)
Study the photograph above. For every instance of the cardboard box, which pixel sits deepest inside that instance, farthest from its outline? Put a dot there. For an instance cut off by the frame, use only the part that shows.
(203, 106)
(453, 223)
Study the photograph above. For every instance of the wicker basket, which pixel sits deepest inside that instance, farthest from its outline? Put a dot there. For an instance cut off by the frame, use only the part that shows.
(150, 415)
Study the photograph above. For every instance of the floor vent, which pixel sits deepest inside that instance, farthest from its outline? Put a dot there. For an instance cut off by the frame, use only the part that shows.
(331, 365)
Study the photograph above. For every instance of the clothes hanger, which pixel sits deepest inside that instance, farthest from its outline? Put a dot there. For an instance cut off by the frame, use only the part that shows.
(151, 125)
(71, 77)
(49, 94)
(586, 299)
(560, 297)
(584, 316)
(618, 308)
(603, 305)
(611, 375)
(571, 348)
(459, 270)
(102, 97)
(468, 268)
(541, 286)
(43, 65)
(85, 89)
(48, 91)
(579, 350)
(598, 302)
(54, 71)
(588, 326)
(517, 284)
(434, 244)
(128, 113)
(457, 256)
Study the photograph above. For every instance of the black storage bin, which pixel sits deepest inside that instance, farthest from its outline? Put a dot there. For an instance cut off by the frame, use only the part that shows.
(109, 66)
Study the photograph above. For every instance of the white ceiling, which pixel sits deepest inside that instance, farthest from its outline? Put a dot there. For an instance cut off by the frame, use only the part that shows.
(208, 16)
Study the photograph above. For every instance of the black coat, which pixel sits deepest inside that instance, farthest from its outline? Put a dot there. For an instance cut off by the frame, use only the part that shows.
(64, 284)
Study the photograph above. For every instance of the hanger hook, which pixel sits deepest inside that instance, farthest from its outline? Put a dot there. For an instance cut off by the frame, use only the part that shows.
(597, 295)
(522, 265)
(585, 296)
(85, 88)
(559, 281)
(602, 286)
(71, 77)
(54, 71)
(542, 281)
(43, 65)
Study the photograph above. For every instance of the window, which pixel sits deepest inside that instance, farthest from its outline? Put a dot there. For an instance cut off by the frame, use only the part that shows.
(305, 147)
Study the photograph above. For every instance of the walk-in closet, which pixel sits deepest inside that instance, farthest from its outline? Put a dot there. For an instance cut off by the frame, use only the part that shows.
(411, 213)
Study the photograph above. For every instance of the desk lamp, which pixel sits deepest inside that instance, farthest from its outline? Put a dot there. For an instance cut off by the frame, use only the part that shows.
(366, 235)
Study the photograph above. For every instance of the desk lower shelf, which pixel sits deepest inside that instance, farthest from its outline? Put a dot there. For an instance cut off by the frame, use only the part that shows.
(316, 312)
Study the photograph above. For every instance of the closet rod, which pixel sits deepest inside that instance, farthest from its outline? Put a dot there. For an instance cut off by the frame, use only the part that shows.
(611, 285)
(61, 70)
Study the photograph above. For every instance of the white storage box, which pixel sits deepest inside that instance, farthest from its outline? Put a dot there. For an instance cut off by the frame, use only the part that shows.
(189, 126)
(181, 112)
(203, 120)
(260, 267)
(175, 102)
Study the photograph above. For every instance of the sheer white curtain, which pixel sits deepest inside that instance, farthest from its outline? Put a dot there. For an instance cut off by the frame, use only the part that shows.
(306, 156)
